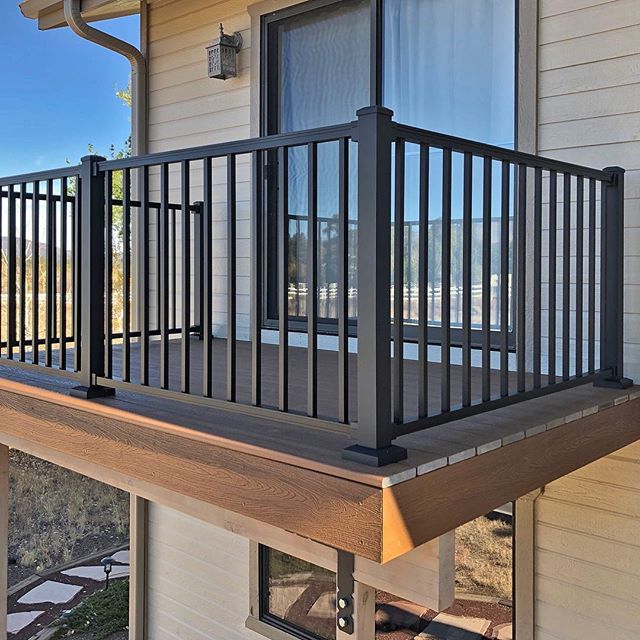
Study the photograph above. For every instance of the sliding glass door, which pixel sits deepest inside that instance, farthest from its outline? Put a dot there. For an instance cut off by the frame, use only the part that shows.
(443, 65)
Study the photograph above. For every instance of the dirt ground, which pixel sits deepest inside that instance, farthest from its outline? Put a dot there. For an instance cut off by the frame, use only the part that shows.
(56, 516)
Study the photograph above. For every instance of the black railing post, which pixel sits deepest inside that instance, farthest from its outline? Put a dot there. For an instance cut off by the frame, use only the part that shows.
(612, 281)
(375, 427)
(92, 279)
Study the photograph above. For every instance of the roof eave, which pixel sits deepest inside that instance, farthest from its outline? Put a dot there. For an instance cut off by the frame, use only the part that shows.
(50, 13)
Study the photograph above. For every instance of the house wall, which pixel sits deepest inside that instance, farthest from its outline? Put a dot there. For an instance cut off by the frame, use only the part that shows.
(589, 112)
(201, 577)
(587, 552)
(187, 108)
(197, 579)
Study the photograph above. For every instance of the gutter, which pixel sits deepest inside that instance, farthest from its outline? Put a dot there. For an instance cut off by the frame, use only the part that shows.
(73, 16)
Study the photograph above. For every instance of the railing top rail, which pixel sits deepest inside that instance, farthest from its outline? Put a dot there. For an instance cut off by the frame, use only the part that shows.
(440, 140)
(236, 147)
(41, 176)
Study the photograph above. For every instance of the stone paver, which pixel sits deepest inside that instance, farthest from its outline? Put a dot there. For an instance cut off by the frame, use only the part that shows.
(447, 627)
(503, 631)
(96, 572)
(51, 591)
(122, 556)
(16, 622)
(401, 615)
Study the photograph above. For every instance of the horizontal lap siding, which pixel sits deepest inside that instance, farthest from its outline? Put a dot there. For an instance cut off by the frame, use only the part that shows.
(588, 552)
(188, 109)
(587, 535)
(589, 113)
(197, 581)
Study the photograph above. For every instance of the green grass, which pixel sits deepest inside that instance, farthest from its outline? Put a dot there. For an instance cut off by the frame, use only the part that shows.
(103, 613)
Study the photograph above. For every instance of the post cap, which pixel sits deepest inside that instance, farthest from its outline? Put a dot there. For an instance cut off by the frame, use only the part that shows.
(373, 109)
(93, 157)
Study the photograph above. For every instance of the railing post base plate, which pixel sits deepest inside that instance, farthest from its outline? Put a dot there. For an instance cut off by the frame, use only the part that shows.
(613, 383)
(92, 392)
(374, 457)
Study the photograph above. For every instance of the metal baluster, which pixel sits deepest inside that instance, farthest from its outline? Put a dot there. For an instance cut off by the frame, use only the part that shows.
(126, 276)
(579, 272)
(144, 284)
(466, 278)
(22, 322)
(537, 277)
(185, 356)
(522, 266)
(445, 313)
(163, 275)
(108, 275)
(77, 285)
(64, 262)
(592, 277)
(398, 286)
(11, 273)
(256, 278)
(312, 277)
(343, 281)
(54, 270)
(50, 250)
(566, 274)
(423, 283)
(206, 219)
(35, 272)
(283, 269)
(504, 277)
(231, 279)
(174, 269)
(553, 272)
(486, 278)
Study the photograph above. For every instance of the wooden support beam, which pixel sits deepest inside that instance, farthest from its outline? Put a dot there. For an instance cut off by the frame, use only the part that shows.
(524, 565)
(428, 506)
(4, 536)
(334, 511)
(138, 563)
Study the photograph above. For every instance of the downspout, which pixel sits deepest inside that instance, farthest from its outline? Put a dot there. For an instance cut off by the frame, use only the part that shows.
(73, 16)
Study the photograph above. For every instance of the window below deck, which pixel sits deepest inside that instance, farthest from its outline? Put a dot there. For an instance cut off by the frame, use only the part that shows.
(296, 596)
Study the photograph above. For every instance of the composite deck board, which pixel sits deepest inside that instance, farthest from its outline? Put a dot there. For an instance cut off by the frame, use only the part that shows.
(297, 357)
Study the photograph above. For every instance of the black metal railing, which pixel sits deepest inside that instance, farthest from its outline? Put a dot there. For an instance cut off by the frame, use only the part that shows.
(39, 275)
(270, 274)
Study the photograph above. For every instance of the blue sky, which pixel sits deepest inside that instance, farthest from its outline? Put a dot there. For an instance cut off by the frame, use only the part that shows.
(57, 93)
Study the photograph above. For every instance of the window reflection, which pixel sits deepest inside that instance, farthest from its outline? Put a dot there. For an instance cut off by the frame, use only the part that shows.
(298, 594)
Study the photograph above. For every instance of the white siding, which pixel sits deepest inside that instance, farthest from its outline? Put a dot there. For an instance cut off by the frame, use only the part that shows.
(197, 581)
(589, 112)
(186, 109)
(587, 556)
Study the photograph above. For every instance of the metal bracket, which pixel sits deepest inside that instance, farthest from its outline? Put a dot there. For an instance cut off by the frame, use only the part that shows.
(345, 589)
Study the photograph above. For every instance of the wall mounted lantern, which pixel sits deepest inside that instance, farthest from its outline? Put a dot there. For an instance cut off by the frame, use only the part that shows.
(222, 55)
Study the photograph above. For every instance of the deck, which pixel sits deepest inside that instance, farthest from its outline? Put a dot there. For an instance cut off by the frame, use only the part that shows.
(515, 316)
(293, 476)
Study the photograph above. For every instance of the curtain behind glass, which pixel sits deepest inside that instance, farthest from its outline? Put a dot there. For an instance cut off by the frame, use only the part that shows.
(449, 66)
(324, 66)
